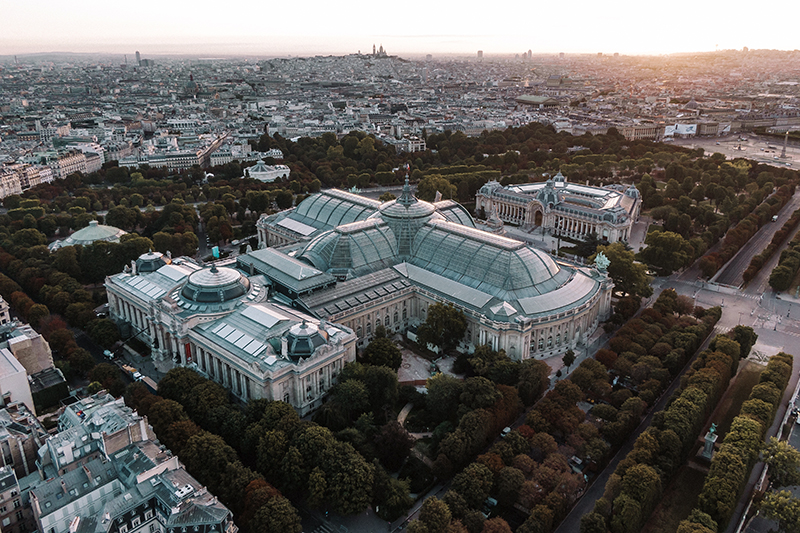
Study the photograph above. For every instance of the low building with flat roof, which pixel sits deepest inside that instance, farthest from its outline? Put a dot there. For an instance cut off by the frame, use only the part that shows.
(14, 385)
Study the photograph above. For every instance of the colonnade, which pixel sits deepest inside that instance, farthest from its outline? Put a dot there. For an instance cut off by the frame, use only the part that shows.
(574, 226)
(511, 213)
(220, 371)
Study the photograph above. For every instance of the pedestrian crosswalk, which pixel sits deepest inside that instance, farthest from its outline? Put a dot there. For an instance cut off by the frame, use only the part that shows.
(324, 528)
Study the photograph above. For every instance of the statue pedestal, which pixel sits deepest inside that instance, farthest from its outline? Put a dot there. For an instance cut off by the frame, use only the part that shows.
(708, 447)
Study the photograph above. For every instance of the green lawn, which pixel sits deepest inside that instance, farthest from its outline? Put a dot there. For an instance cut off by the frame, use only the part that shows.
(738, 392)
(677, 502)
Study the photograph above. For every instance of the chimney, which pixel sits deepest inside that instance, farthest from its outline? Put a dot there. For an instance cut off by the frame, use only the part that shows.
(88, 475)
(64, 487)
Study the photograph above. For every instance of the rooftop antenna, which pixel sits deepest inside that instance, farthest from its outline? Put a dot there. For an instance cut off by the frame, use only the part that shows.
(16, 63)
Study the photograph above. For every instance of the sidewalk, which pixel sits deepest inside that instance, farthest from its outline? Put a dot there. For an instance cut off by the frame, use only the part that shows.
(144, 365)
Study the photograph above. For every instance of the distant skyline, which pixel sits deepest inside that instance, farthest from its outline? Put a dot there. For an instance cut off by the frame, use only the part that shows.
(414, 27)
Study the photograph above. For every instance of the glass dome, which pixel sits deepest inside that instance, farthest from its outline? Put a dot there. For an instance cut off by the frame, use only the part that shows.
(215, 285)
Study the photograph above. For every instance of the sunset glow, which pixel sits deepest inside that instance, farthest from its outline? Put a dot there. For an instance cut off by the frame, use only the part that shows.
(415, 27)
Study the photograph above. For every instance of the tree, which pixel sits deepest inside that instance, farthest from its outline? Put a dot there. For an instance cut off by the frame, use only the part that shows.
(28, 238)
(316, 487)
(390, 496)
(277, 515)
(630, 277)
(697, 522)
(473, 484)
(443, 396)
(351, 398)
(479, 393)
(178, 383)
(444, 326)
(667, 251)
(784, 508)
(109, 376)
(496, 525)
(746, 338)
(534, 379)
(349, 479)
(284, 199)
(781, 278)
(784, 463)
(382, 351)
(392, 445)
(435, 515)
(430, 185)
(593, 523)
(207, 456)
(507, 485)
(36, 314)
(164, 413)
(568, 359)
(103, 331)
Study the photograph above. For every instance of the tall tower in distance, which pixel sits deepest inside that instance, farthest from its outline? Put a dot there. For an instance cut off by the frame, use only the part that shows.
(138, 58)
(480, 55)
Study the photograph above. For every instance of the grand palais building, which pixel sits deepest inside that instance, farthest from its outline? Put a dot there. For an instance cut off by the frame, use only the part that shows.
(281, 321)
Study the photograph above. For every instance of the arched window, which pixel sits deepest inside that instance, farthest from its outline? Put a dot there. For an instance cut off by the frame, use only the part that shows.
(369, 328)
(358, 332)
(549, 342)
(377, 324)
(558, 339)
(395, 317)
(541, 344)
(286, 397)
(386, 321)
(405, 315)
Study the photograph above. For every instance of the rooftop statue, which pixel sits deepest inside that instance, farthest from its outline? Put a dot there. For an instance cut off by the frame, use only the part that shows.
(601, 262)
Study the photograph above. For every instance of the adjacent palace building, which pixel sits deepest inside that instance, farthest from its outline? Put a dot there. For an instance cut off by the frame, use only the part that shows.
(280, 322)
(565, 208)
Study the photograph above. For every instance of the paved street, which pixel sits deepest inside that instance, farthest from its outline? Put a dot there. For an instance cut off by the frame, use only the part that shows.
(763, 149)
(731, 273)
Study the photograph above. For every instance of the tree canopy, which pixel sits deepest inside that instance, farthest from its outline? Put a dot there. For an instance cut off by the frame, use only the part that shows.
(444, 326)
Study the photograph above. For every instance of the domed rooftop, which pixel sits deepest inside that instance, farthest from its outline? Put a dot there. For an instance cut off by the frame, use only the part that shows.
(303, 339)
(503, 267)
(405, 216)
(92, 233)
(151, 261)
(355, 248)
(407, 206)
(215, 285)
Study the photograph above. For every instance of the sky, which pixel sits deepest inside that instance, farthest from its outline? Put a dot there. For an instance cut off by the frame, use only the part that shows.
(409, 28)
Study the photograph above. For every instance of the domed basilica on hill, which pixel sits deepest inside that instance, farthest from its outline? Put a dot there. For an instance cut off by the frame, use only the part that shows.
(281, 321)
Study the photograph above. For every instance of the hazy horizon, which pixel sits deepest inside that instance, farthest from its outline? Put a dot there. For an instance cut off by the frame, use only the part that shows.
(316, 27)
